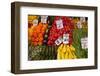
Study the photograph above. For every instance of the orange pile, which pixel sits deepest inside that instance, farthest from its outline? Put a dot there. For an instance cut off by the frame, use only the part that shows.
(36, 33)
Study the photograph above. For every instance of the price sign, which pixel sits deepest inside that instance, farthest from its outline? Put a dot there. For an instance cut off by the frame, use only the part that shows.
(84, 43)
(79, 24)
(65, 38)
(82, 19)
(44, 19)
(35, 22)
(58, 41)
(59, 24)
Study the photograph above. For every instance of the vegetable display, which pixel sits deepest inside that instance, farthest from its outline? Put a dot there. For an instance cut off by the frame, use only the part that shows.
(57, 37)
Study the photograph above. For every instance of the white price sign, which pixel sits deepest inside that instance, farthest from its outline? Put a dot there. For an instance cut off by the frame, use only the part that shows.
(35, 22)
(79, 24)
(65, 38)
(58, 41)
(44, 19)
(59, 24)
(84, 43)
(82, 19)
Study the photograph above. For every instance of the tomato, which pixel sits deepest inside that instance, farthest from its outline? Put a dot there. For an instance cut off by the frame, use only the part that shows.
(56, 33)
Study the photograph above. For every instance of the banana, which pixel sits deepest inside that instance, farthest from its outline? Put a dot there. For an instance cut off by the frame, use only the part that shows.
(59, 51)
(66, 52)
(62, 55)
(71, 55)
(72, 48)
(74, 55)
(66, 55)
(58, 55)
(64, 49)
(73, 51)
(60, 47)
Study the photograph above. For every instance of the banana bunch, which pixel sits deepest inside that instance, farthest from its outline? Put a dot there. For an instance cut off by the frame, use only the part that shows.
(66, 52)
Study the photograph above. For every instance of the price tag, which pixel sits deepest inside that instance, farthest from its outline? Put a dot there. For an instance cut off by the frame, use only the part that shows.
(35, 22)
(65, 38)
(44, 16)
(59, 24)
(84, 43)
(82, 19)
(79, 25)
(58, 41)
(44, 19)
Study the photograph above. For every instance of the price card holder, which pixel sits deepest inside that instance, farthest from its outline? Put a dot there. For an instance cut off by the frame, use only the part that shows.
(59, 24)
(44, 19)
(35, 22)
(82, 19)
(79, 24)
(65, 38)
(58, 41)
(84, 43)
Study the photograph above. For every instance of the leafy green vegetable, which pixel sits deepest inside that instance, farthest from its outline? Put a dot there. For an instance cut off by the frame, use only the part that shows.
(77, 35)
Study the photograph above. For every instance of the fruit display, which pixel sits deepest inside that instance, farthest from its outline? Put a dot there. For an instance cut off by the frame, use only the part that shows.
(36, 33)
(66, 52)
(55, 33)
(57, 37)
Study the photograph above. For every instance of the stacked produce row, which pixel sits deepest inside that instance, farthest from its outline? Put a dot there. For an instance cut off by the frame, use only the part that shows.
(57, 37)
